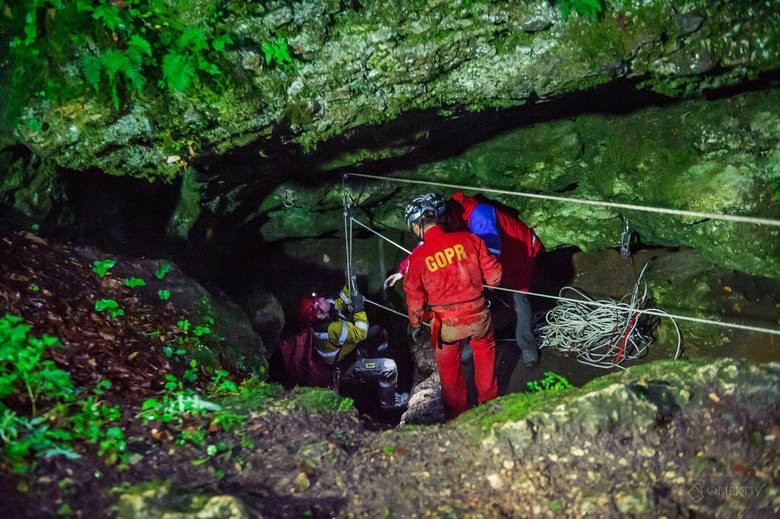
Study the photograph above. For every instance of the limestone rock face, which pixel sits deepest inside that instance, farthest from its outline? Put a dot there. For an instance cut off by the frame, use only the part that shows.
(356, 65)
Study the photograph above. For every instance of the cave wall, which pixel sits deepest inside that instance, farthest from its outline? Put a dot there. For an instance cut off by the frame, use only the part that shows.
(348, 65)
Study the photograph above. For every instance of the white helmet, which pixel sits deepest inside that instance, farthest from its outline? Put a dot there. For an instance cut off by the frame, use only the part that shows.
(436, 201)
(416, 208)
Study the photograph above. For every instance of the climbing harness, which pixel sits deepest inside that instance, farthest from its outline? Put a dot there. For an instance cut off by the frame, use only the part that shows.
(599, 333)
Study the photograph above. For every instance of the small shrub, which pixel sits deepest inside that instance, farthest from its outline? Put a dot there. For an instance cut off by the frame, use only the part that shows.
(550, 382)
(110, 306)
(135, 282)
(26, 379)
(101, 267)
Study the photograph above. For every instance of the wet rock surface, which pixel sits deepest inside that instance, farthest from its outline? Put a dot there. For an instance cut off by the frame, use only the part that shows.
(664, 438)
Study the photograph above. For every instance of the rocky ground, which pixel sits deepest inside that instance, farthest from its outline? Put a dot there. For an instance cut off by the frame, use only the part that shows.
(671, 439)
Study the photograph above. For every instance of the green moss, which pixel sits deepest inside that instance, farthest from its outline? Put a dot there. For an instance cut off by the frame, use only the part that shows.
(512, 407)
(517, 406)
(188, 209)
(255, 395)
(319, 400)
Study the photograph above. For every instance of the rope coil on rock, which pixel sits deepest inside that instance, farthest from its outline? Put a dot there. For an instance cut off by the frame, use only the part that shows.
(605, 335)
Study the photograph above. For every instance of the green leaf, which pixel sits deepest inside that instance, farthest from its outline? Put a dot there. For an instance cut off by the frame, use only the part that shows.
(109, 14)
(177, 71)
(135, 282)
(164, 294)
(140, 46)
(101, 267)
(221, 42)
(162, 270)
(59, 451)
(193, 40)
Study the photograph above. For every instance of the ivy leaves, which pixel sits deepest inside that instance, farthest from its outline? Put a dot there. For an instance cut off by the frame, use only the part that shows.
(277, 53)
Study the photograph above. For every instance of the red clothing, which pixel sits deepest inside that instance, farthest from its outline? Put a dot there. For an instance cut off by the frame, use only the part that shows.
(446, 273)
(447, 268)
(519, 244)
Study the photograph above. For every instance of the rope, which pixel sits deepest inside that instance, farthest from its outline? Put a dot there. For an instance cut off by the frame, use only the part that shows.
(347, 201)
(645, 311)
(616, 205)
(381, 236)
(603, 337)
(391, 310)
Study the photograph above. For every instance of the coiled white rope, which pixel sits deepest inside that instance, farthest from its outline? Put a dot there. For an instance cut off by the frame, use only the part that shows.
(604, 336)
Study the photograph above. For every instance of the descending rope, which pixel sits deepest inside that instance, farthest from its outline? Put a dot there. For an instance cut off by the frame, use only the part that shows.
(679, 212)
(347, 200)
(602, 337)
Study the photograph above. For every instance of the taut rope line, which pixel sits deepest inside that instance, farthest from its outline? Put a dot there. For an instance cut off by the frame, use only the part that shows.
(658, 313)
(381, 236)
(616, 205)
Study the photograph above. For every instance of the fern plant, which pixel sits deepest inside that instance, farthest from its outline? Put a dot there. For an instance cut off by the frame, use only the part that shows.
(586, 8)
(132, 44)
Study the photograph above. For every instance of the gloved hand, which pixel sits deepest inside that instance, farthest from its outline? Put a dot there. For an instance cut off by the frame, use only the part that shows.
(358, 303)
(416, 335)
(392, 280)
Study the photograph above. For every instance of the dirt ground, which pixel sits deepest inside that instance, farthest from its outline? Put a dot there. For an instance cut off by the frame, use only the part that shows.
(290, 461)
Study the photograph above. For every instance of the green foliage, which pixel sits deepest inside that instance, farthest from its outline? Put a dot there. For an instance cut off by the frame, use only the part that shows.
(776, 188)
(220, 383)
(320, 400)
(162, 269)
(26, 380)
(164, 295)
(175, 403)
(101, 267)
(22, 368)
(590, 9)
(130, 44)
(277, 53)
(135, 282)
(110, 306)
(550, 382)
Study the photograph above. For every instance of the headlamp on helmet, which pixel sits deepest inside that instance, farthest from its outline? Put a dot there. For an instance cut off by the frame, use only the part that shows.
(308, 308)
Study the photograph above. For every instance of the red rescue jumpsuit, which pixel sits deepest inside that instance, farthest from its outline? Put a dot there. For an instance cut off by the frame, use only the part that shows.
(447, 272)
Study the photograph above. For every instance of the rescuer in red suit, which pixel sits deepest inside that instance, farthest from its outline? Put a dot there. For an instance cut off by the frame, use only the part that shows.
(516, 247)
(444, 282)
